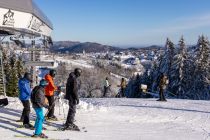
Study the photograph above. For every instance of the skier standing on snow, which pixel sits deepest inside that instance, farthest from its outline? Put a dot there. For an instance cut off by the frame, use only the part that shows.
(162, 86)
(49, 93)
(123, 87)
(24, 96)
(106, 86)
(38, 102)
(72, 87)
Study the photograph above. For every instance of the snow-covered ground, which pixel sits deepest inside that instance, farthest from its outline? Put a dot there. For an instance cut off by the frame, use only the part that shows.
(72, 62)
(122, 119)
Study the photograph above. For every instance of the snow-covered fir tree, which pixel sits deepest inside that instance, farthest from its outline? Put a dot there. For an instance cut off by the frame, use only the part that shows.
(13, 69)
(167, 58)
(163, 64)
(188, 72)
(154, 75)
(133, 87)
(12, 85)
(200, 84)
(177, 74)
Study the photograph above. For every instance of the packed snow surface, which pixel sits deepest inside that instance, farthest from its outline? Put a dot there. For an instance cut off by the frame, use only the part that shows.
(120, 119)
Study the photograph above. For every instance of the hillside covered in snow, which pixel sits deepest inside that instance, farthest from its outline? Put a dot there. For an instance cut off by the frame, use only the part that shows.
(120, 119)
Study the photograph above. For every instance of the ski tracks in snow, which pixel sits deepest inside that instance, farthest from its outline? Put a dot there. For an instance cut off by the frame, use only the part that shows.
(111, 119)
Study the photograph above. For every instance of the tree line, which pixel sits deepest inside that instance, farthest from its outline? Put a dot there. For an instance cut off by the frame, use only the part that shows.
(188, 70)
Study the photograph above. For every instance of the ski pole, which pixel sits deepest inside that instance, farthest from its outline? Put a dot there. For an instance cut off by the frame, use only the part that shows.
(50, 108)
(63, 110)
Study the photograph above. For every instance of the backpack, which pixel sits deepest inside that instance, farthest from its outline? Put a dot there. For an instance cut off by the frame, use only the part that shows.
(34, 91)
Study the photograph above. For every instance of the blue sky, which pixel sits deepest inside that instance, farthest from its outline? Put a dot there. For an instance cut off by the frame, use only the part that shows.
(128, 23)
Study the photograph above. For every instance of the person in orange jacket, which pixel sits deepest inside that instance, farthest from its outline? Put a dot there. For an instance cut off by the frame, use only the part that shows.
(49, 94)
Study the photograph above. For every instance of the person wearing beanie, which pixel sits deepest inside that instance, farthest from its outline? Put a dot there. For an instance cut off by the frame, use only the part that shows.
(38, 102)
(24, 96)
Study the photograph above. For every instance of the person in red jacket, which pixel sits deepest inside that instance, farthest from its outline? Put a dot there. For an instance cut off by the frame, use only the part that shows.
(49, 94)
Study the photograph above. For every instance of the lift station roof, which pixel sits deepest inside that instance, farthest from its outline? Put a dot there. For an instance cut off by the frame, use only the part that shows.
(25, 17)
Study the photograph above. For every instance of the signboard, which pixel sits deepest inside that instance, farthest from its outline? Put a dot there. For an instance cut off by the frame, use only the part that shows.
(8, 19)
(23, 21)
(35, 24)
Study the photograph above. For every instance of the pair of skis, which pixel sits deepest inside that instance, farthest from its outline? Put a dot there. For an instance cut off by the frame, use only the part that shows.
(64, 129)
(59, 129)
(21, 136)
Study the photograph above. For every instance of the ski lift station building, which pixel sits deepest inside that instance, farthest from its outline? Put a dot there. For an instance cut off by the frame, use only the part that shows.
(23, 17)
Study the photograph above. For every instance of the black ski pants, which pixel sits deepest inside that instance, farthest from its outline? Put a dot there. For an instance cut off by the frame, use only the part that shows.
(71, 114)
(26, 111)
(105, 91)
(161, 94)
(51, 100)
(122, 92)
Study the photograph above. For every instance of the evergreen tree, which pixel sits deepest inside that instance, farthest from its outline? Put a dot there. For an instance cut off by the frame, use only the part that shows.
(12, 84)
(132, 90)
(154, 75)
(11, 73)
(20, 67)
(167, 58)
(178, 71)
(200, 84)
(163, 65)
(6, 65)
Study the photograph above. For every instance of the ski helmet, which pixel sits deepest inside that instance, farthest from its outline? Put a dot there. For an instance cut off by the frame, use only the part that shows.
(52, 73)
(77, 72)
(43, 83)
(28, 76)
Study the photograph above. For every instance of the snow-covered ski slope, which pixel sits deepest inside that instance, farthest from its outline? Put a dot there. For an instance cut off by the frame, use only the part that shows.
(121, 119)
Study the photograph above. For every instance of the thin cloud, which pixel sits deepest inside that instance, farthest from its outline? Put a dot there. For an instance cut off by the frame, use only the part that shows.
(183, 24)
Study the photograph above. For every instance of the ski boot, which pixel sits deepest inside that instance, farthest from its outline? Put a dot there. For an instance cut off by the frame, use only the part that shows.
(159, 100)
(19, 120)
(43, 136)
(162, 100)
(28, 126)
(52, 118)
(72, 127)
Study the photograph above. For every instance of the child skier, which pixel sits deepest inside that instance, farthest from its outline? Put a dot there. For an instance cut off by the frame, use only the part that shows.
(38, 102)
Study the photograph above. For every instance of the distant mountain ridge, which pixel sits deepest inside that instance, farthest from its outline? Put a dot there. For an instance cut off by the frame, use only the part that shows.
(78, 47)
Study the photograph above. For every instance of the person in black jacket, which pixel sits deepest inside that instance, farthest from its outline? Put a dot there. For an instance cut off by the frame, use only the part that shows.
(38, 102)
(72, 87)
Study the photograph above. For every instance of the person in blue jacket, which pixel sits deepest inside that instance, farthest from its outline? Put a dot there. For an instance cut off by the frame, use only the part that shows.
(24, 96)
